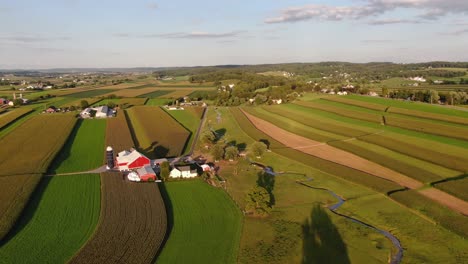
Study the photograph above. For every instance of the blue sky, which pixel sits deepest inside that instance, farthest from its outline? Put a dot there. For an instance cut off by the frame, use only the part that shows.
(82, 33)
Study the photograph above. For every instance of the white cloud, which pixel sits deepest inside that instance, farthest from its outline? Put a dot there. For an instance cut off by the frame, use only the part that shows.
(429, 9)
(393, 21)
(185, 35)
(152, 6)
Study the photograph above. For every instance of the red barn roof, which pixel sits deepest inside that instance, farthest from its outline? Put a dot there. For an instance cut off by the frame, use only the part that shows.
(131, 160)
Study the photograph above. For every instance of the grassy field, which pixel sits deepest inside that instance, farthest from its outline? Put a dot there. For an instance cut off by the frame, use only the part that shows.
(155, 94)
(20, 176)
(190, 118)
(132, 223)
(84, 149)
(203, 221)
(123, 101)
(262, 239)
(90, 93)
(12, 115)
(158, 102)
(59, 219)
(156, 133)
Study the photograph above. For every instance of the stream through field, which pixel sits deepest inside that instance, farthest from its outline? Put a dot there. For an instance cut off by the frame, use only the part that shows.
(395, 259)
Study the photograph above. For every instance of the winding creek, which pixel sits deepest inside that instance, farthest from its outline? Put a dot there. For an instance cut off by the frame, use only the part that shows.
(395, 258)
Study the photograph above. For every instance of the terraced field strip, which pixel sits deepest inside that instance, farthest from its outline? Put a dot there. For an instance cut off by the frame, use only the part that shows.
(60, 217)
(177, 93)
(132, 223)
(157, 134)
(330, 153)
(77, 102)
(19, 176)
(456, 187)
(155, 93)
(367, 105)
(118, 133)
(341, 157)
(90, 93)
(338, 170)
(418, 145)
(130, 92)
(12, 115)
(204, 222)
(84, 148)
(190, 118)
(434, 116)
(158, 101)
(128, 101)
(422, 201)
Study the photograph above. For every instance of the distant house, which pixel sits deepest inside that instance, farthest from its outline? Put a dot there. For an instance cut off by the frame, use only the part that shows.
(3, 101)
(183, 172)
(146, 173)
(127, 160)
(51, 109)
(277, 101)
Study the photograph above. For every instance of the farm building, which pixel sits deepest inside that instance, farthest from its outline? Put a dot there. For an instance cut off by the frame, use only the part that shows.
(206, 167)
(127, 160)
(100, 112)
(183, 171)
(51, 109)
(3, 101)
(146, 173)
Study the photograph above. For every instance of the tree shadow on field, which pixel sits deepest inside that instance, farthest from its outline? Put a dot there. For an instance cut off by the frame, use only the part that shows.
(267, 181)
(219, 133)
(170, 217)
(160, 151)
(65, 152)
(321, 241)
(29, 210)
(241, 146)
(266, 142)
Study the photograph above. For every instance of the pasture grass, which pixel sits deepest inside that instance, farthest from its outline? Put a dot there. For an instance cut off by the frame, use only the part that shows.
(90, 93)
(203, 221)
(60, 217)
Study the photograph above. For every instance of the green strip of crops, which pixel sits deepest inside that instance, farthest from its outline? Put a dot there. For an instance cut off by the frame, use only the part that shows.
(205, 225)
(84, 149)
(59, 219)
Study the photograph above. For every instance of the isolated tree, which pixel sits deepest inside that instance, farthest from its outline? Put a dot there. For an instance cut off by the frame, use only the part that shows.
(208, 137)
(384, 91)
(17, 102)
(111, 104)
(258, 201)
(257, 149)
(231, 153)
(452, 96)
(434, 96)
(164, 170)
(72, 108)
(84, 104)
(217, 151)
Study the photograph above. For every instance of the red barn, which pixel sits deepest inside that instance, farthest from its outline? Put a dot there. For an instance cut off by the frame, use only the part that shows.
(131, 160)
(146, 173)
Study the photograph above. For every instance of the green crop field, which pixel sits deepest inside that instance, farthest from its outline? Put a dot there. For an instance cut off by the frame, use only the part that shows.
(59, 219)
(203, 221)
(158, 101)
(456, 186)
(90, 93)
(84, 149)
(157, 93)
(190, 119)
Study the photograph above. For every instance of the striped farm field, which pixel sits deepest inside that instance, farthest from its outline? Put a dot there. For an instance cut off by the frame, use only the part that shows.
(434, 116)
(123, 102)
(90, 93)
(12, 115)
(59, 219)
(84, 148)
(190, 118)
(132, 223)
(77, 102)
(130, 92)
(118, 134)
(456, 186)
(155, 93)
(347, 173)
(19, 177)
(156, 133)
(177, 93)
(442, 215)
(203, 221)
(357, 103)
(158, 101)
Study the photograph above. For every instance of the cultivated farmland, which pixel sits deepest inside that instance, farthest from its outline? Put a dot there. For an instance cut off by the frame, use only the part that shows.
(203, 221)
(132, 223)
(31, 141)
(156, 133)
(11, 116)
(118, 134)
(84, 148)
(58, 220)
(90, 93)
(190, 118)
(157, 93)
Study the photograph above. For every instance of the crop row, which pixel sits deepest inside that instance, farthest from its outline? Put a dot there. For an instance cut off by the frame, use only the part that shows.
(371, 106)
(156, 133)
(374, 118)
(154, 94)
(421, 114)
(118, 134)
(34, 148)
(332, 168)
(456, 187)
(77, 102)
(442, 215)
(10, 116)
(132, 223)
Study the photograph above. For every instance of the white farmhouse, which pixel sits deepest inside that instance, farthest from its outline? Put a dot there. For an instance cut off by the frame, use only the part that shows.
(183, 172)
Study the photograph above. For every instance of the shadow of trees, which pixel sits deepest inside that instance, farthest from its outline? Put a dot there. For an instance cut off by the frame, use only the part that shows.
(321, 241)
(267, 181)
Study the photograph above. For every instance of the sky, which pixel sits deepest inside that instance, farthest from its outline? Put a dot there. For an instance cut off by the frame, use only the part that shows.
(161, 33)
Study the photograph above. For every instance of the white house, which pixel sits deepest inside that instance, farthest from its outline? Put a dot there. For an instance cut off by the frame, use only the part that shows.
(101, 112)
(183, 171)
(277, 101)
